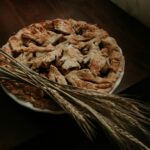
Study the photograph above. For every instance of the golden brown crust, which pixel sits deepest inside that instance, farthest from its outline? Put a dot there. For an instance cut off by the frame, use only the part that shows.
(69, 52)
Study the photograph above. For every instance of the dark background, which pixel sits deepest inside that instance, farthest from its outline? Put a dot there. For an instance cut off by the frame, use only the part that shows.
(21, 128)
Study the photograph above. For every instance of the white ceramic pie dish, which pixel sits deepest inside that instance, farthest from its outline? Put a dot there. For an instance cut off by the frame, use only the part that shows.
(61, 25)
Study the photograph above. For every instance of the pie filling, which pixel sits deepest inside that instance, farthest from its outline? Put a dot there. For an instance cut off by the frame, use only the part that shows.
(69, 52)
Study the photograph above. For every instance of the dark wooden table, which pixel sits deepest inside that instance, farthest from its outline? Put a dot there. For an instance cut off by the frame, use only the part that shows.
(18, 125)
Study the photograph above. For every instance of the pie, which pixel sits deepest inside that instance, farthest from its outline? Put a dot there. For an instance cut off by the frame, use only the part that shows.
(68, 52)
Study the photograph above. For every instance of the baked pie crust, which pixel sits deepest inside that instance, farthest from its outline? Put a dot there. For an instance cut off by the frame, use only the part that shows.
(68, 52)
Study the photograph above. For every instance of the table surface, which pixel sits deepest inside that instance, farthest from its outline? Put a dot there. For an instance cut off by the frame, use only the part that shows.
(19, 124)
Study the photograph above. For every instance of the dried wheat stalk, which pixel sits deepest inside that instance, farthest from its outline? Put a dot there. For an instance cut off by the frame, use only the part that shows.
(117, 115)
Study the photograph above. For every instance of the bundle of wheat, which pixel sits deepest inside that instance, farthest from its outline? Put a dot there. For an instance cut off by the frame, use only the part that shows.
(115, 114)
